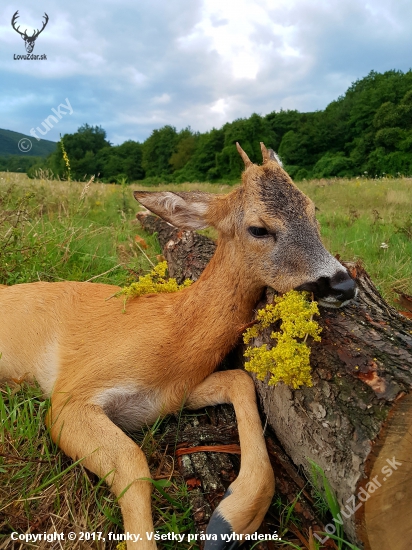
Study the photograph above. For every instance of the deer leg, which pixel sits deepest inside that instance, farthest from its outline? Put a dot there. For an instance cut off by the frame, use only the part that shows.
(247, 499)
(83, 430)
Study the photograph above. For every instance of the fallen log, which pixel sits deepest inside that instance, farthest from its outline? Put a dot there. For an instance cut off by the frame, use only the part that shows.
(356, 421)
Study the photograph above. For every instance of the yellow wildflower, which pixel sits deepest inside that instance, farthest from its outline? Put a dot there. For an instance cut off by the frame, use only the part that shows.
(288, 360)
(66, 159)
(154, 282)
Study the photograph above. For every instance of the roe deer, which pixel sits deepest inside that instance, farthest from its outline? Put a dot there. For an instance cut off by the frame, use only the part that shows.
(106, 370)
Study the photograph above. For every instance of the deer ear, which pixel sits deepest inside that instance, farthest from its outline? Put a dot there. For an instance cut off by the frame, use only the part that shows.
(183, 210)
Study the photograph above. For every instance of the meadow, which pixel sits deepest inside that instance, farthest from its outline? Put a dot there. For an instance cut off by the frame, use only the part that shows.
(86, 231)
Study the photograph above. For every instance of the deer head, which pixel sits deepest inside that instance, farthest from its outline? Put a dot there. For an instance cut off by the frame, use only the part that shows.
(29, 41)
(268, 229)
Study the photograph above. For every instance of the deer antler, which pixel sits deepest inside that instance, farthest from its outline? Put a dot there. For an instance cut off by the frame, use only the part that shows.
(244, 156)
(269, 154)
(24, 34)
(265, 152)
(46, 20)
(13, 22)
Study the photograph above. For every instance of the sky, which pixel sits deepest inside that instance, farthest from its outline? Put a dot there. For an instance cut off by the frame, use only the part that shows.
(134, 66)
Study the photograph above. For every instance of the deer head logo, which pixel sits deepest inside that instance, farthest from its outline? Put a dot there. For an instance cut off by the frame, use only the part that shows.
(29, 41)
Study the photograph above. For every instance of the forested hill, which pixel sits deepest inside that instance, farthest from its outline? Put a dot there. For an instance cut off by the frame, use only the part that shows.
(19, 152)
(366, 130)
(9, 145)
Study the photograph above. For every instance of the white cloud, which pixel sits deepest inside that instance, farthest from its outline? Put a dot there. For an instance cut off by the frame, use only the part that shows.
(162, 99)
(219, 106)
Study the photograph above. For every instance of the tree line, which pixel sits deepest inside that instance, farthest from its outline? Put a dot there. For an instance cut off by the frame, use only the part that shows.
(366, 131)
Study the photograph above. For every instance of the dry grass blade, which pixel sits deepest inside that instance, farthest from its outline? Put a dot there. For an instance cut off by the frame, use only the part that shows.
(86, 188)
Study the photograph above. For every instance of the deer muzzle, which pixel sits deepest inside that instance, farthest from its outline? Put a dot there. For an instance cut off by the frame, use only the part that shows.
(335, 291)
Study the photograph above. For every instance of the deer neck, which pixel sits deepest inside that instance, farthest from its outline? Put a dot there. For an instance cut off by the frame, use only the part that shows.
(218, 306)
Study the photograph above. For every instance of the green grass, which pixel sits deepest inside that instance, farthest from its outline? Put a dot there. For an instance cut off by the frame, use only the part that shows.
(41, 489)
(51, 231)
(358, 216)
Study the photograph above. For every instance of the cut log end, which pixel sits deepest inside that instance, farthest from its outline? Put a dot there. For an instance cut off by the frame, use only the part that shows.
(385, 520)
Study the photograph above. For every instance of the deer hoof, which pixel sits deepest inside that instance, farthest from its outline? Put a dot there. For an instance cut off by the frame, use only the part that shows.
(219, 526)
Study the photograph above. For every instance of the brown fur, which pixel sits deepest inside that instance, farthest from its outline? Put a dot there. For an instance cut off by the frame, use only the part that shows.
(105, 369)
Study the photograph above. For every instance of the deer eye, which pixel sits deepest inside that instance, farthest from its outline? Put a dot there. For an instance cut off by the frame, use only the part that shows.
(258, 232)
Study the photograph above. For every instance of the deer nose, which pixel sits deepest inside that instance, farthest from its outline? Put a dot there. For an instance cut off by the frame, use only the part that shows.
(332, 291)
(343, 288)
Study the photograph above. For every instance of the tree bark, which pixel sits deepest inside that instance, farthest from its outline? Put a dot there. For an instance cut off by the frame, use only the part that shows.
(356, 421)
(187, 253)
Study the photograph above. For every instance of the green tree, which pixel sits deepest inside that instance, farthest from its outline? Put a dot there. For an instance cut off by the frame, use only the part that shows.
(18, 163)
(367, 129)
(333, 164)
(81, 148)
(121, 161)
(282, 122)
(393, 138)
(157, 151)
(132, 155)
(185, 147)
(371, 122)
(249, 132)
(202, 163)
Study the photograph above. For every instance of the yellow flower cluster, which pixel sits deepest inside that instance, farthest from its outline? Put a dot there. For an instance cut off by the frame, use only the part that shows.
(154, 282)
(288, 360)
(66, 159)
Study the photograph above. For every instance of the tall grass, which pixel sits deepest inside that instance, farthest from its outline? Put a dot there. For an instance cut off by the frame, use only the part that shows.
(54, 231)
(369, 220)
(77, 231)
